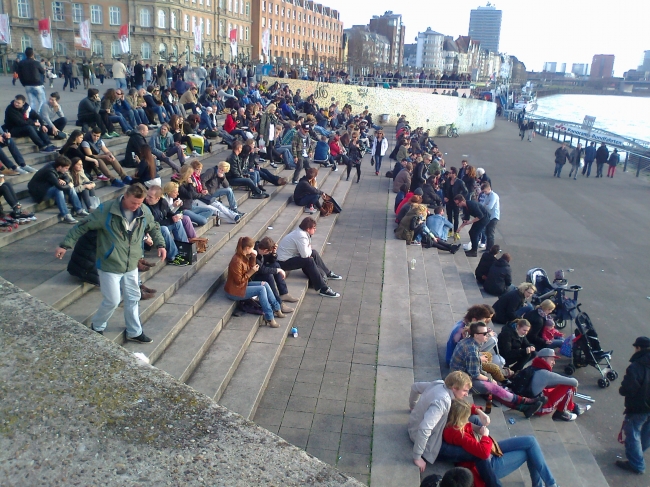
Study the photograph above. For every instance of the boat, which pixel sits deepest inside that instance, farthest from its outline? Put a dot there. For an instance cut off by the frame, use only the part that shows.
(526, 101)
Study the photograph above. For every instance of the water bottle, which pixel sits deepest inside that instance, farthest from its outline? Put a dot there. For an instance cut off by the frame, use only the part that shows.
(412, 264)
(217, 220)
(294, 332)
(488, 404)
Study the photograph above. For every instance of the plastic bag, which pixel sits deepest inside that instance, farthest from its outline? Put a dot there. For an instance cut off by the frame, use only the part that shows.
(567, 346)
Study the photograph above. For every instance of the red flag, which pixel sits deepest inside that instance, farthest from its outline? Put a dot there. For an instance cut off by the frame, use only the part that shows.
(124, 38)
(233, 35)
(46, 37)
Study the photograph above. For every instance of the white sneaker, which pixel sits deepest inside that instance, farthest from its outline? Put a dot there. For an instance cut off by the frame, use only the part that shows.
(20, 170)
(467, 247)
(29, 169)
(195, 154)
(481, 246)
(311, 210)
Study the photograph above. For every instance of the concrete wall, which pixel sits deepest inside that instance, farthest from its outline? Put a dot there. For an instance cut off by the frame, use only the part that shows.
(422, 110)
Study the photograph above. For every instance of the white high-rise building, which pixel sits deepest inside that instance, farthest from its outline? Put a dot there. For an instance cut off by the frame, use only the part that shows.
(429, 55)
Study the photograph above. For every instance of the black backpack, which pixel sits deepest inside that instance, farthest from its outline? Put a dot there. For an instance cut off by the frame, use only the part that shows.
(522, 381)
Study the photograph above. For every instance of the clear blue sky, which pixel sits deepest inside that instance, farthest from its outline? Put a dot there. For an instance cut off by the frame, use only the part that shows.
(569, 31)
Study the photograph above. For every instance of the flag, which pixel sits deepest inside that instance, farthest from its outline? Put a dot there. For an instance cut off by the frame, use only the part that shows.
(46, 33)
(233, 42)
(198, 35)
(84, 34)
(266, 42)
(5, 33)
(124, 38)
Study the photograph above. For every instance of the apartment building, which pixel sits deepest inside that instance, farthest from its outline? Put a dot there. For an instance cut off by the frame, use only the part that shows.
(300, 32)
(159, 30)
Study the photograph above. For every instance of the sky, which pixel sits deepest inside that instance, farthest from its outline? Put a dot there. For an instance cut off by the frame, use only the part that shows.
(564, 31)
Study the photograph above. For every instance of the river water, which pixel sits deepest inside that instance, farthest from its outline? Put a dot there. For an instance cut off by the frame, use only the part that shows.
(623, 115)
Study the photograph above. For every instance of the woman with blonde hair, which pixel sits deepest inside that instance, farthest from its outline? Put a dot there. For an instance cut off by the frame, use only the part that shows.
(505, 457)
(513, 304)
(542, 331)
(83, 186)
(170, 195)
(404, 230)
(193, 187)
(242, 267)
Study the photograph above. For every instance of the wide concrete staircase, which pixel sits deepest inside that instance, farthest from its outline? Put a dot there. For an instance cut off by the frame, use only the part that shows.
(419, 309)
(199, 337)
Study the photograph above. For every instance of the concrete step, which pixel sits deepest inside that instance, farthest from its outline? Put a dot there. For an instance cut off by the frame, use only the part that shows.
(247, 386)
(215, 371)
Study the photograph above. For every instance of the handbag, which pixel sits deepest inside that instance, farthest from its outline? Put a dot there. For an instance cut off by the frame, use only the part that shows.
(496, 449)
(336, 207)
(327, 208)
(372, 160)
(201, 244)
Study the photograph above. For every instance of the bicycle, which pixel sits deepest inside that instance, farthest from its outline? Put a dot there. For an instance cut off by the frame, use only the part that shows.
(452, 131)
(320, 92)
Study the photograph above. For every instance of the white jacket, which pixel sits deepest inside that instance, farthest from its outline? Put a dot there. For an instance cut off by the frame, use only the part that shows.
(294, 244)
(428, 417)
(383, 148)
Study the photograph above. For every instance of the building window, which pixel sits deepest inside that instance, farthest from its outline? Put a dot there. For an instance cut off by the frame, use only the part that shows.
(145, 50)
(57, 11)
(24, 10)
(248, 9)
(77, 13)
(207, 2)
(193, 22)
(282, 41)
(61, 48)
(263, 21)
(114, 15)
(175, 50)
(246, 33)
(186, 23)
(293, 29)
(162, 48)
(281, 25)
(98, 47)
(277, 9)
(116, 50)
(264, 6)
(275, 40)
(25, 42)
(221, 29)
(208, 28)
(236, 6)
(96, 14)
(230, 5)
(276, 25)
(145, 18)
(241, 33)
(241, 6)
(162, 21)
(172, 19)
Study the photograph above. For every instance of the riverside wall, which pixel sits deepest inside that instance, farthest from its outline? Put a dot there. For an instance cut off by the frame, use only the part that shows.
(422, 110)
(77, 409)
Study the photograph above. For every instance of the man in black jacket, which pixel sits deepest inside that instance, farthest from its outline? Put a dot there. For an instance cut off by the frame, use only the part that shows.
(237, 175)
(635, 387)
(420, 172)
(171, 225)
(453, 187)
(271, 272)
(499, 277)
(66, 71)
(481, 217)
(89, 112)
(31, 75)
(135, 143)
(138, 74)
(22, 121)
(602, 154)
(51, 182)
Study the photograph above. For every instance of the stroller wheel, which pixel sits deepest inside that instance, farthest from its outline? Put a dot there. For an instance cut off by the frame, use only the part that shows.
(561, 324)
(602, 383)
(612, 375)
(569, 370)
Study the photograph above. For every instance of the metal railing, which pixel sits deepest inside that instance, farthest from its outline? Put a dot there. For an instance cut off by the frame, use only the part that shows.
(393, 82)
(634, 153)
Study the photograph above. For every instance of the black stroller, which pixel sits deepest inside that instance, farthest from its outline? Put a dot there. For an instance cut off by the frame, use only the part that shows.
(587, 351)
(566, 309)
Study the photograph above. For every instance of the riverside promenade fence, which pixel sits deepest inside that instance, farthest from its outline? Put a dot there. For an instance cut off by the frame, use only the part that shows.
(634, 153)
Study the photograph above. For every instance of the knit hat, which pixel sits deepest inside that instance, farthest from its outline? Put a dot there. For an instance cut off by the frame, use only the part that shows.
(642, 342)
(418, 191)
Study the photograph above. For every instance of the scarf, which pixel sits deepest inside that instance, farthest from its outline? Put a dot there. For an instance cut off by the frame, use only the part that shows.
(197, 182)
(540, 363)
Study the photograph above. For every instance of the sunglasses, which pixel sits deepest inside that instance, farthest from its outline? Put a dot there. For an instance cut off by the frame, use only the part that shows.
(483, 333)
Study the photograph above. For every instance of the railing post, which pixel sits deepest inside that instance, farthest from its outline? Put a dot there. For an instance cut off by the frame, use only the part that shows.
(627, 158)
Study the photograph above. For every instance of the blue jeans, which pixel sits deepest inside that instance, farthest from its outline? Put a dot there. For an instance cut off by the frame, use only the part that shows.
(141, 116)
(378, 163)
(587, 168)
(58, 195)
(523, 310)
(162, 116)
(264, 294)
(35, 97)
(178, 231)
(129, 115)
(322, 131)
(287, 156)
(556, 343)
(309, 199)
(518, 450)
(170, 245)
(120, 83)
(637, 438)
(198, 215)
(232, 202)
(117, 117)
(18, 157)
(109, 284)
(558, 169)
(248, 182)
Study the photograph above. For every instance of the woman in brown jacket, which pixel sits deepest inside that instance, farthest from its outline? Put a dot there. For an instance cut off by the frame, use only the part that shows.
(238, 288)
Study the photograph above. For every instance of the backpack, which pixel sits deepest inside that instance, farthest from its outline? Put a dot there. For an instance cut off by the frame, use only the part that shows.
(522, 381)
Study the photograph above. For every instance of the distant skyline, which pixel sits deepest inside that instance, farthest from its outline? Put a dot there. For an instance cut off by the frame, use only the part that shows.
(555, 30)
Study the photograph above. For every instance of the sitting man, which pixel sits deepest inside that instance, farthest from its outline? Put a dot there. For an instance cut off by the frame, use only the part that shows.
(88, 113)
(514, 345)
(295, 252)
(135, 143)
(51, 182)
(93, 146)
(499, 278)
(238, 175)
(430, 403)
(466, 358)
(163, 147)
(271, 272)
(22, 121)
(540, 380)
(307, 193)
(171, 225)
(10, 168)
(53, 117)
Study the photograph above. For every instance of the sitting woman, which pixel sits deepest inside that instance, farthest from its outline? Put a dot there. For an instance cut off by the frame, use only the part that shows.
(405, 205)
(477, 312)
(499, 277)
(177, 130)
(230, 125)
(506, 457)
(514, 347)
(542, 332)
(430, 192)
(271, 272)
(108, 105)
(401, 196)
(307, 193)
(242, 267)
(83, 186)
(404, 230)
(197, 197)
(512, 304)
(72, 149)
(403, 177)
(487, 259)
(146, 172)
(250, 159)
(170, 195)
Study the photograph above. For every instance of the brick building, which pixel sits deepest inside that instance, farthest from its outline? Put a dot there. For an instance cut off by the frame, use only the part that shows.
(390, 26)
(160, 30)
(602, 66)
(301, 32)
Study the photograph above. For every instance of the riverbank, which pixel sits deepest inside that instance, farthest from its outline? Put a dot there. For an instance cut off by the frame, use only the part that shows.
(562, 90)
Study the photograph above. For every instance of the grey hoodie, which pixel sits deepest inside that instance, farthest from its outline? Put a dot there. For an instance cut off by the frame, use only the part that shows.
(428, 417)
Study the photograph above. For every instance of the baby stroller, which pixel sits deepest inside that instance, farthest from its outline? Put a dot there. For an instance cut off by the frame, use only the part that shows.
(566, 309)
(587, 351)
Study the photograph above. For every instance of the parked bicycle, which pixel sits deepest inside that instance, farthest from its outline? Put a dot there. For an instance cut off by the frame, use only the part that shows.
(452, 131)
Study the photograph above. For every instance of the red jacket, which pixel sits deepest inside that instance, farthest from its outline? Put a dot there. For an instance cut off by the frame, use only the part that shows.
(335, 148)
(229, 125)
(465, 438)
(406, 199)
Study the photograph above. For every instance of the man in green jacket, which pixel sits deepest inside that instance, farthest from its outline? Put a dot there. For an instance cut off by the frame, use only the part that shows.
(121, 227)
